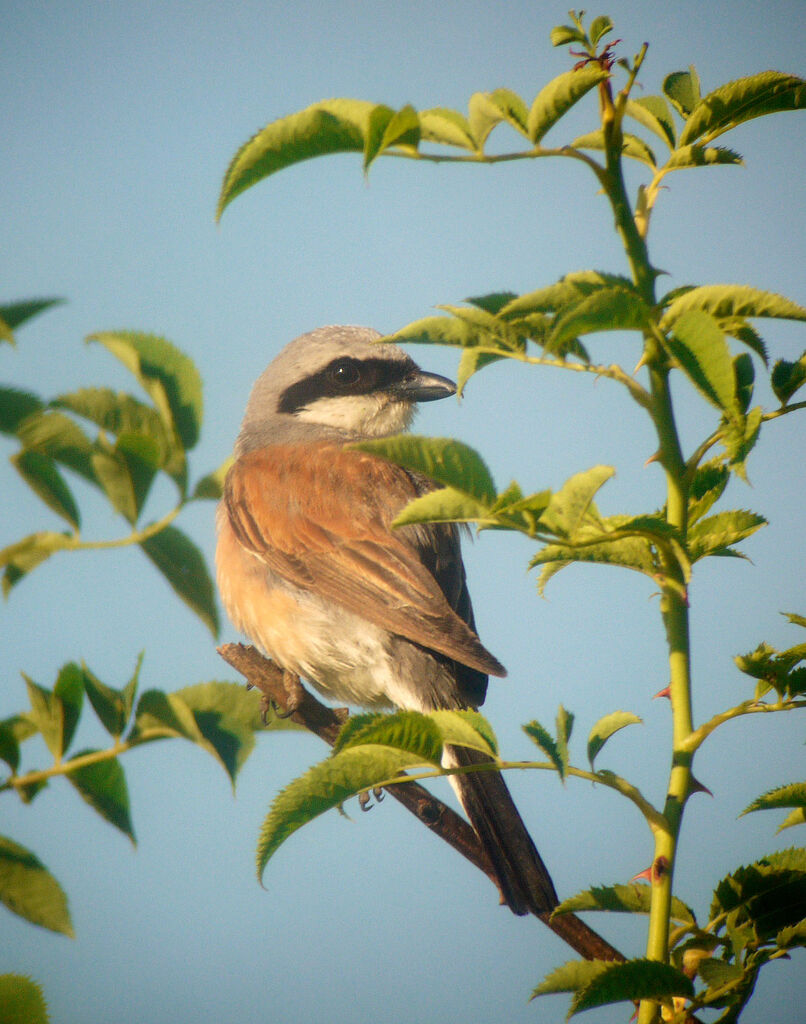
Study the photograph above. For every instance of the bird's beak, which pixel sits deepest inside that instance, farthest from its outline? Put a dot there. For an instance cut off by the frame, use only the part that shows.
(420, 386)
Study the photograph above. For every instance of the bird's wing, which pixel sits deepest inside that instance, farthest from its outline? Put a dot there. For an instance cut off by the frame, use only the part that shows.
(320, 517)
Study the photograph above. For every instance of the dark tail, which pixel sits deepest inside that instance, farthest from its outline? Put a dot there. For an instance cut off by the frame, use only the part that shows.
(525, 884)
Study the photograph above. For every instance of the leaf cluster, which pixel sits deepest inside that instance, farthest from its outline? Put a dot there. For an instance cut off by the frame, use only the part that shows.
(221, 718)
(117, 443)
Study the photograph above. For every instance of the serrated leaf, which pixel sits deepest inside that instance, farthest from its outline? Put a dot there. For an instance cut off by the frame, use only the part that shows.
(631, 145)
(408, 731)
(568, 506)
(103, 786)
(441, 459)
(683, 90)
(793, 937)
(707, 488)
(332, 126)
(69, 691)
(732, 104)
(653, 113)
(564, 723)
(787, 378)
(9, 747)
(470, 363)
(168, 376)
(15, 314)
(627, 899)
(570, 977)
(47, 713)
(440, 330)
(446, 127)
(556, 99)
(22, 1000)
(713, 535)
(717, 973)
(183, 566)
(15, 407)
(606, 727)
(745, 375)
(629, 553)
(792, 795)
(113, 475)
(564, 293)
(43, 477)
(768, 895)
(23, 556)
(466, 729)
(730, 301)
(607, 309)
(795, 619)
(702, 156)
(631, 981)
(699, 347)
(387, 128)
(546, 742)
(27, 888)
(325, 786)
(445, 505)
(739, 435)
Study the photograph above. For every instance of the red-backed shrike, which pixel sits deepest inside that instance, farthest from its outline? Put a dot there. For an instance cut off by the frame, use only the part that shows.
(311, 571)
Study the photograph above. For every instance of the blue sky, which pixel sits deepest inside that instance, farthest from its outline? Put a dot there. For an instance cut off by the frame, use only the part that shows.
(119, 120)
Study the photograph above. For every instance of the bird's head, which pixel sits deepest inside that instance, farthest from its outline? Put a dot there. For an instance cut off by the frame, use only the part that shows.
(337, 382)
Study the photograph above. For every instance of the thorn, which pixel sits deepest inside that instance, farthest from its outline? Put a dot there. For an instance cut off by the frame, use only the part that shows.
(655, 457)
(665, 692)
(641, 363)
(695, 786)
(643, 876)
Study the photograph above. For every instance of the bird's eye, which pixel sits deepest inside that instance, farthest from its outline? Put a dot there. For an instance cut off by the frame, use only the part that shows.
(345, 372)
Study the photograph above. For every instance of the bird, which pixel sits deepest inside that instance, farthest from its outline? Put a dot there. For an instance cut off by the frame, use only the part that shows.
(310, 569)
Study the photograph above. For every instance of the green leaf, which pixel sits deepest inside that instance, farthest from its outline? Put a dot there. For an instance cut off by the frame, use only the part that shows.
(22, 1000)
(683, 90)
(631, 981)
(775, 669)
(58, 436)
(441, 459)
(629, 553)
(168, 376)
(564, 294)
(712, 536)
(739, 435)
(42, 476)
(48, 714)
(333, 126)
(27, 888)
(219, 717)
(556, 99)
(183, 566)
(702, 156)
(729, 301)
(707, 488)
(564, 723)
(631, 146)
(599, 982)
(793, 795)
(325, 786)
(15, 314)
(9, 746)
(466, 729)
(745, 375)
(16, 406)
(408, 731)
(562, 34)
(627, 899)
(446, 505)
(599, 27)
(768, 895)
(787, 378)
(69, 691)
(607, 309)
(768, 92)
(718, 973)
(211, 486)
(103, 786)
(388, 128)
(471, 362)
(605, 728)
(568, 506)
(793, 937)
(109, 704)
(116, 482)
(440, 330)
(446, 127)
(701, 352)
(653, 113)
(546, 742)
(20, 558)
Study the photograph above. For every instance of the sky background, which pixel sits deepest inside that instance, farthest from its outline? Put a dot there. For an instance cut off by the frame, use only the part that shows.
(118, 121)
